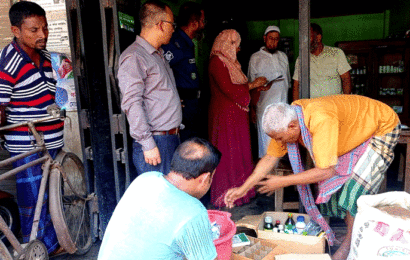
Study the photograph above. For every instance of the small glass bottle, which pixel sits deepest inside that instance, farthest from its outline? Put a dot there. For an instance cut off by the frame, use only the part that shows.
(268, 224)
(277, 223)
(289, 224)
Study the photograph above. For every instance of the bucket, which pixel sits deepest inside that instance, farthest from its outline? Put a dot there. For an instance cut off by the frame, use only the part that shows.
(223, 244)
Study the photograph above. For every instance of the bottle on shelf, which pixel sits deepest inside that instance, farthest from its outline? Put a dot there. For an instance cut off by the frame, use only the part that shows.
(277, 224)
(289, 224)
(281, 229)
(300, 224)
(268, 224)
(401, 66)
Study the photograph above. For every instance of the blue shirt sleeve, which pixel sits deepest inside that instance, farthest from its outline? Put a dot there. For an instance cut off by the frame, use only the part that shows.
(194, 239)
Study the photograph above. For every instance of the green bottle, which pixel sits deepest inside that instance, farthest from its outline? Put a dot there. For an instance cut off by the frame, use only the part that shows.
(289, 224)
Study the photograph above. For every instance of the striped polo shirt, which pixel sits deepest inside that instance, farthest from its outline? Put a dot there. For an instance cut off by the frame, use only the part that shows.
(27, 91)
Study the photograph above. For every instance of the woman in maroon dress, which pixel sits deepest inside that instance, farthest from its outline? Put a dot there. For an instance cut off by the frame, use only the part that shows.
(228, 117)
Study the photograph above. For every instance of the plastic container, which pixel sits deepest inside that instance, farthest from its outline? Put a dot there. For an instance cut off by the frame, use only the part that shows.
(268, 223)
(300, 224)
(223, 244)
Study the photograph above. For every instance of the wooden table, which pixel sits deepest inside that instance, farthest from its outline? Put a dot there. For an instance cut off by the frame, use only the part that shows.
(405, 139)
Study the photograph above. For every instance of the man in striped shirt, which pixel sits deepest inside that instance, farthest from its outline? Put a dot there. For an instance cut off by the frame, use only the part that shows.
(27, 88)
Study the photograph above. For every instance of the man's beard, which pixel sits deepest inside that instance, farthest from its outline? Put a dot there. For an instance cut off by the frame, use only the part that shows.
(41, 44)
(271, 50)
(314, 45)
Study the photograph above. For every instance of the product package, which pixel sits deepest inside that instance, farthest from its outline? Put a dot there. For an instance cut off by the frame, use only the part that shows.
(293, 243)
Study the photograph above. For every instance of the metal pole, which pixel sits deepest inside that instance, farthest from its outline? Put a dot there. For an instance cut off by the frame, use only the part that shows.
(40, 200)
(23, 167)
(20, 156)
(304, 48)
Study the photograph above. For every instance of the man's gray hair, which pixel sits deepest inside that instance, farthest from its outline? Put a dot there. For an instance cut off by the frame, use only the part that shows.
(277, 117)
(151, 13)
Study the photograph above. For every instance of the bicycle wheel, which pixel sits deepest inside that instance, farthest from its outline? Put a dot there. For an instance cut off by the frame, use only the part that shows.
(4, 252)
(35, 250)
(10, 213)
(69, 205)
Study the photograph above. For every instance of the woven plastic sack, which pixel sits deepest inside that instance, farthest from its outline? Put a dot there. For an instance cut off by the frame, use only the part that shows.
(378, 235)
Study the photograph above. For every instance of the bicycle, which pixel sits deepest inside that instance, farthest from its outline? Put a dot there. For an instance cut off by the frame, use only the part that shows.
(69, 200)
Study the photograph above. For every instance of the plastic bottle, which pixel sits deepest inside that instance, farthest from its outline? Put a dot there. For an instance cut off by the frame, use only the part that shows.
(268, 224)
(277, 224)
(300, 224)
(281, 229)
(289, 224)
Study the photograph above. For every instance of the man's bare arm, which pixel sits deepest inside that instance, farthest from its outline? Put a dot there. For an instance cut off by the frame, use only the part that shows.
(295, 90)
(346, 83)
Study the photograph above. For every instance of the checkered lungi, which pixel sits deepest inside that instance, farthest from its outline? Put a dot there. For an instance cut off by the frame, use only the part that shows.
(366, 178)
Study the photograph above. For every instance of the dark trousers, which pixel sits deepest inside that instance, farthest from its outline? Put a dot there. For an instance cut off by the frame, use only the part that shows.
(167, 144)
(192, 119)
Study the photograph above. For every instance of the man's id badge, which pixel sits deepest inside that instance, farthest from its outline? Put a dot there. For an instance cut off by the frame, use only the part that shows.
(193, 76)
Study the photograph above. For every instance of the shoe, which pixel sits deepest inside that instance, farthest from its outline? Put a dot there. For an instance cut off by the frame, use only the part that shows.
(59, 251)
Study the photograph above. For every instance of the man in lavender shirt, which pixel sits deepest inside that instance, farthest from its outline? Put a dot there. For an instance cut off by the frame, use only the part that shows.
(149, 95)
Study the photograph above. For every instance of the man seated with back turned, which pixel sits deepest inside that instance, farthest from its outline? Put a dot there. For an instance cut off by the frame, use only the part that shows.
(160, 216)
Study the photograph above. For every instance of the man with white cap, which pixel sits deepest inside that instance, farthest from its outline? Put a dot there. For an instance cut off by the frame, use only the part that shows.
(273, 64)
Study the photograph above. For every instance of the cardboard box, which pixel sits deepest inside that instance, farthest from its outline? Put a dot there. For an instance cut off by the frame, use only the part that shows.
(303, 257)
(297, 244)
(258, 249)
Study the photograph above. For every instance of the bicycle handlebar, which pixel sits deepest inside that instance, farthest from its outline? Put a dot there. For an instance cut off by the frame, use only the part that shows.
(54, 113)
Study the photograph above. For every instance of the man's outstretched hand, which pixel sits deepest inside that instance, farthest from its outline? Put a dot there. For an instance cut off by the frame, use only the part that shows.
(232, 195)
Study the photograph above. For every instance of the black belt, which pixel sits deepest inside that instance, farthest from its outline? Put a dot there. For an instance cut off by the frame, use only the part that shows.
(187, 93)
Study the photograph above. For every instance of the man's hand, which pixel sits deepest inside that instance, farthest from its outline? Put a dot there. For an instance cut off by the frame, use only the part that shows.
(232, 195)
(265, 87)
(152, 156)
(258, 82)
(270, 184)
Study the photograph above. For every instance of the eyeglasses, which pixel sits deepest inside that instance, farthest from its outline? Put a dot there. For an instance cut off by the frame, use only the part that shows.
(173, 24)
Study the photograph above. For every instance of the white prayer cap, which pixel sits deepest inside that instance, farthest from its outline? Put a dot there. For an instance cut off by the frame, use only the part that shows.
(272, 28)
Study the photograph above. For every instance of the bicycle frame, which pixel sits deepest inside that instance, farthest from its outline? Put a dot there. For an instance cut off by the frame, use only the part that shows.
(48, 163)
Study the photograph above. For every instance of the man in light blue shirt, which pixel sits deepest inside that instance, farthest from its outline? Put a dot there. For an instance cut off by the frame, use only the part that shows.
(160, 216)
